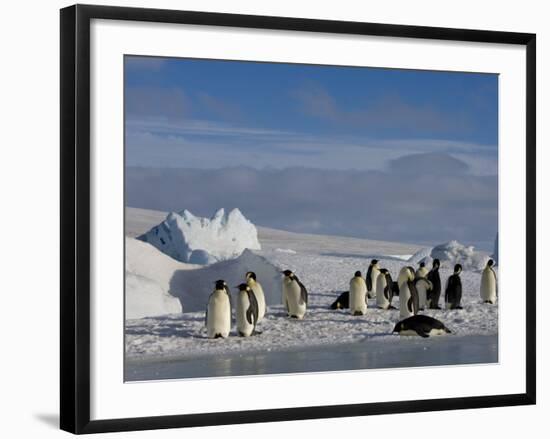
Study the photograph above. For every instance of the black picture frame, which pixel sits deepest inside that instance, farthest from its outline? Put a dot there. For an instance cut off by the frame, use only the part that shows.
(75, 217)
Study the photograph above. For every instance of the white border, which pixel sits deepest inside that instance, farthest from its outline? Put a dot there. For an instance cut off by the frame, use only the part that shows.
(111, 398)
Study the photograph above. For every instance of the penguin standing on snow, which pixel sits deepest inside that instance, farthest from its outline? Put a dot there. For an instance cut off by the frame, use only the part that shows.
(357, 295)
(384, 293)
(408, 296)
(247, 311)
(422, 270)
(294, 295)
(488, 288)
(218, 311)
(256, 287)
(453, 289)
(423, 287)
(435, 293)
(421, 325)
(372, 275)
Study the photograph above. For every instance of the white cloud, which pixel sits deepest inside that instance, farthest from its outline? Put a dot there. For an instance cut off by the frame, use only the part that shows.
(206, 144)
(423, 207)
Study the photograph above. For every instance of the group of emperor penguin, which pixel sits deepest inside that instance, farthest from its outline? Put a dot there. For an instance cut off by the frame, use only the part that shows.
(251, 305)
(417, 290)
(251, 308)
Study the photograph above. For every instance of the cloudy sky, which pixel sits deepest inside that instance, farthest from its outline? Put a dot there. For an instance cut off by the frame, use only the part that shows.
(383, 154)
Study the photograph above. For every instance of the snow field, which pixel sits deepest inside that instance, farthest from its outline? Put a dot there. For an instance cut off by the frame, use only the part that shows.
(325, 277)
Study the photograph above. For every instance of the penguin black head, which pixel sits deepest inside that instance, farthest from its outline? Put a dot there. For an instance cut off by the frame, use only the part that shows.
(251, 275)
(490, 263)
(357, 274)
(243, 287)
(422, 264)
(220, 284)
(287, 273)
(436, 263)
(458, 268)
(374, 262)
(383, 271)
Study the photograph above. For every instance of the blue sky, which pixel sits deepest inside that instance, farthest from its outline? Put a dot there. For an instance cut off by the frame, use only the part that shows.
(212, 115)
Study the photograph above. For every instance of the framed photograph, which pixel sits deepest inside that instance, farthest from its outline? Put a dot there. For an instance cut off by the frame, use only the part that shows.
(261, 215)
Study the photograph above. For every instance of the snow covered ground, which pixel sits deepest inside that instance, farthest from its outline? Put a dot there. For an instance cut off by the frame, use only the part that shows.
(325, 265)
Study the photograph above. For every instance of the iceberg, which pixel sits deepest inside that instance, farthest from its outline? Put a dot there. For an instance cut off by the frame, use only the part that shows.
(203, 241)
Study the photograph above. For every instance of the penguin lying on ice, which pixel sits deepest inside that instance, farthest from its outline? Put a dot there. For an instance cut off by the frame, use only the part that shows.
(421, 325)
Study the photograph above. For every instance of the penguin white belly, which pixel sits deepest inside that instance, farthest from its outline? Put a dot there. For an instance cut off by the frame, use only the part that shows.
(404, 296)
(488, 287)
(411, 332)
(292, 294)
(218, 321)
(402, 277)
(260, 298)
(358, 296)
(381, 300)
(243, 326)
(374, 276)
(422, 294)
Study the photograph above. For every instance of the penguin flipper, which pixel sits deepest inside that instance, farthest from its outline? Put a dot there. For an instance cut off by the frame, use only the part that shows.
(252, 311)
(303, 292)
(415, 303)
(368, 278)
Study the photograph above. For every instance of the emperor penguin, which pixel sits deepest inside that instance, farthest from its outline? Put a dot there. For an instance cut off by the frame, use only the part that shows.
(247, 311)
(488, 289)
(423, 287)
(384, 293)
(218, 311)
(256, 287)
(357, 295)
(421, 325)
(435, 293)
(372, 274)
(403, 275)
(453, 289)
(422, 270)
(408, 296)
(341, 302)
(295, 295)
